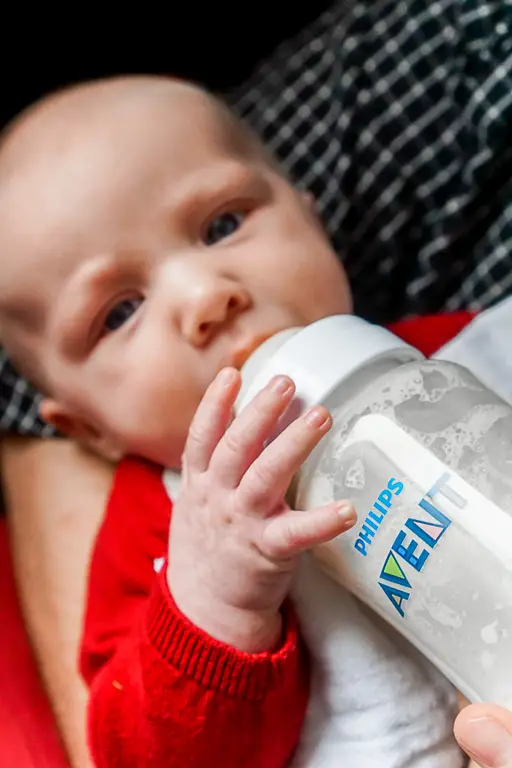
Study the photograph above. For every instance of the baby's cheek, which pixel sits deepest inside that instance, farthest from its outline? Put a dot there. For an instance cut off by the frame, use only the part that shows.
(154, 424)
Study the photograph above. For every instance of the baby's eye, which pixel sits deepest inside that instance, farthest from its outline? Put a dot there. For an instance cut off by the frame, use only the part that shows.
(121, 312)
(223, 226)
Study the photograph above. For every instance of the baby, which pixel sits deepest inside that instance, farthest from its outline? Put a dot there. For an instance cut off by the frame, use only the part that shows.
(148, 246)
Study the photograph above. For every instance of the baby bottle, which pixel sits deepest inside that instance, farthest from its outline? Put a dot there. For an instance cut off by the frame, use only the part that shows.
(424, 450)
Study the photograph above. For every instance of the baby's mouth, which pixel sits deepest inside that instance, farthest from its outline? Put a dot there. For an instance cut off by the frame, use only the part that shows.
(243, 353)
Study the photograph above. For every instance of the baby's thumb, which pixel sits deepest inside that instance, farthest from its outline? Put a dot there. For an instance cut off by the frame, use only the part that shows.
(484, 731)
(293, 532)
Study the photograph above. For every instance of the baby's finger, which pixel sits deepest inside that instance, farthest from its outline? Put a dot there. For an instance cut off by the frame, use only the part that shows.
(293, 532)
(246, 435)
(211, 419)
(267, 480)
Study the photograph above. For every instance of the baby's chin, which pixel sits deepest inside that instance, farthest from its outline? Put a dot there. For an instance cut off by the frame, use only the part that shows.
(169, 457)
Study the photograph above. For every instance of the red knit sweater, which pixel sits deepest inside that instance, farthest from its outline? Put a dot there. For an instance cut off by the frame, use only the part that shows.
(162, 692)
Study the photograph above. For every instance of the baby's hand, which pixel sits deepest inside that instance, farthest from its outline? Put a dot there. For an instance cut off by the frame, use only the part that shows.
(234, 542)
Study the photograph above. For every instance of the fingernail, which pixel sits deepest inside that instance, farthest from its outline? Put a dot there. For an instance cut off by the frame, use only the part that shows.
(226, 376)
(490, 744)
(317, 417)
(346, 511)
(280, 385)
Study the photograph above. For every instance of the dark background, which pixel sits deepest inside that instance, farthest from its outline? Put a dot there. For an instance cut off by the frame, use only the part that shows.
(219, 46)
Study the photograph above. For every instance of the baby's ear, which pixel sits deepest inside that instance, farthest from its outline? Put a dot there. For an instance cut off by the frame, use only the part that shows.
(309, 200)
(79, 429)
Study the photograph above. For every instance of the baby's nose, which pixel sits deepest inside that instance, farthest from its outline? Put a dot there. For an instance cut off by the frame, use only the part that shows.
(212, 309)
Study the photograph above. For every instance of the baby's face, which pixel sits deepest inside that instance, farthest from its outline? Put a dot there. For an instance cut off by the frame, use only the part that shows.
(160, 248)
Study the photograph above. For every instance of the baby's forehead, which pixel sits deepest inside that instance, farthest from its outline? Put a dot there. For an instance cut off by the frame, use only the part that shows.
(114, 142)
(148, 112)
(79, 168)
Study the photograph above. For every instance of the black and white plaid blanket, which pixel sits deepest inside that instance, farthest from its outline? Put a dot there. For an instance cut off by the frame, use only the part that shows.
(397, 115)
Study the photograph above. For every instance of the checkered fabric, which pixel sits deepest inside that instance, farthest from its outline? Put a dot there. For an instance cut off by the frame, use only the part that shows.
(19, 404)
(397, 116)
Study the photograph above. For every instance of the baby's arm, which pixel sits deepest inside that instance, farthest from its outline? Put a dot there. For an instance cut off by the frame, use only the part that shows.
(163, 691)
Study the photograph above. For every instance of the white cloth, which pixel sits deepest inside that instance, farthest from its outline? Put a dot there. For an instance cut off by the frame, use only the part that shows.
(375, 702)
(485, 348)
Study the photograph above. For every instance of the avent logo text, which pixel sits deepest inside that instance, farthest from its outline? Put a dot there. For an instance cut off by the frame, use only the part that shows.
(414, 543)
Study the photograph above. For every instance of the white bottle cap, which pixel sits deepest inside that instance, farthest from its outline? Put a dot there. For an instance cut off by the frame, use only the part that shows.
(261, 356)
(320, 356)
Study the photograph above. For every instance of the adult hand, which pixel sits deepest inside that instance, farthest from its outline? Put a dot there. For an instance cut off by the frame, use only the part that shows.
(484, 731)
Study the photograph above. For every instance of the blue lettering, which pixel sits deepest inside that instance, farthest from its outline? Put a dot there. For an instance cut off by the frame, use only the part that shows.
(436, 514)
(376, 515)
(396, 597)
(385, 498)
(366, 534)
(395, 486)
(381, 509)
(430, 533)
(360, 546)
(393, 573)
(442, 487)
(407, 553)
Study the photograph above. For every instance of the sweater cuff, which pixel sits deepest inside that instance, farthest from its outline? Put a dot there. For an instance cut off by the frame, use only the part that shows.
(211, 663)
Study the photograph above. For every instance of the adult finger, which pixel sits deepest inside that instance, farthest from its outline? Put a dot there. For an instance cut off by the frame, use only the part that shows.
(484, 731)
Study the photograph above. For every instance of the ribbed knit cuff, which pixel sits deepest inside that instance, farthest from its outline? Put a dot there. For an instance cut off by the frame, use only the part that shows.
(211, 663)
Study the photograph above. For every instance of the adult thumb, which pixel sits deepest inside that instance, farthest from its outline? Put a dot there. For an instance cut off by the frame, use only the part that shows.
(484, 731)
